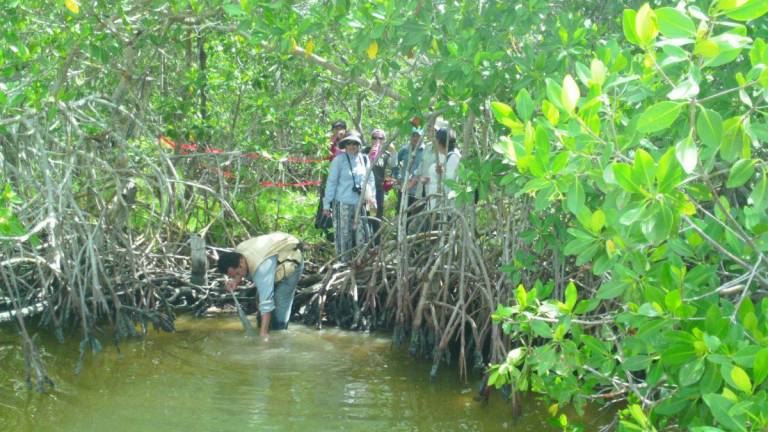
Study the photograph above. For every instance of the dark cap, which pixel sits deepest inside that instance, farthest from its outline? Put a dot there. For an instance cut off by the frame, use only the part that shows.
(339, 124)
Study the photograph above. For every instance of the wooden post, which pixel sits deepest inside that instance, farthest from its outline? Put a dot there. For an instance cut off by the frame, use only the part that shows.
(199, 261)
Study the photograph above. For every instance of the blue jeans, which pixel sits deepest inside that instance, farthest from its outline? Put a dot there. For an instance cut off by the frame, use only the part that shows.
(276, 298)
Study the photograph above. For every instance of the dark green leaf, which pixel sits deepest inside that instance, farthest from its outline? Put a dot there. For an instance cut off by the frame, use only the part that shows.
(541, 329)
(692, 372)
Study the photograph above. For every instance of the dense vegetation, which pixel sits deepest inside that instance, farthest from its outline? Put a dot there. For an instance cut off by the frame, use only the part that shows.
(618, 157)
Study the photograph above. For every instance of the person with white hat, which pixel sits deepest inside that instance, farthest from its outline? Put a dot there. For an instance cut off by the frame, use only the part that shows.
(348, 180)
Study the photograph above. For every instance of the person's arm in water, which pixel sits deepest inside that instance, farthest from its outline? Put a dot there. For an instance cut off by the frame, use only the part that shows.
(264, 331)
(264, 279)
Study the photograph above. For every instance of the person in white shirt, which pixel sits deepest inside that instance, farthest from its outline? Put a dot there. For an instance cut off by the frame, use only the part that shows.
(444, 167)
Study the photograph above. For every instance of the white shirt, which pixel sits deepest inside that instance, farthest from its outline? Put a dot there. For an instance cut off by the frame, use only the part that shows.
(436, 184)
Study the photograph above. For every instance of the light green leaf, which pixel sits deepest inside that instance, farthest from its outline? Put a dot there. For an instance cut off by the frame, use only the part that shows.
(741, 172)
(668, 172)
(741, 379)
(645, 25)
(501, 110)
(541, 329)
(524, 105)
(571, 295)
(732, 143)
(569, 95)
(233, 10)
(575, 200)
(674, 24)
(659, 116)
(706, 48)
(630, 32)
(709, 126)
(598, 220)
(611, 290)
(751, 10)
(550, 112)
(506, 117)
(554, 92)
(623, 175)
(687, 89)
(644, 168)
(687, 154)
(759, 196)
(761, 366)
(720, 407)
(692, 372)
(599, 71)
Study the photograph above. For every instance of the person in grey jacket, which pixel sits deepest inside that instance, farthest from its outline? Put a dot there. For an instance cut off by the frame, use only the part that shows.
(348, 180)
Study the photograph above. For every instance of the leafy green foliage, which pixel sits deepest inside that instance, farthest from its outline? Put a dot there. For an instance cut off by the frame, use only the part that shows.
(663, 193)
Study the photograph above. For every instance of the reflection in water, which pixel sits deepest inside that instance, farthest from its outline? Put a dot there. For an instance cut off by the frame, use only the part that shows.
(209, 377)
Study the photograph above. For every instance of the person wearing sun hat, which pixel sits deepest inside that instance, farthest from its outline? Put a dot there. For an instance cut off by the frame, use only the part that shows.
(348, 180)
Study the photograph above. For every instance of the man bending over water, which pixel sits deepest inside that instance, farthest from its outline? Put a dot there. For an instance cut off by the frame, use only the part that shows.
(274, 263)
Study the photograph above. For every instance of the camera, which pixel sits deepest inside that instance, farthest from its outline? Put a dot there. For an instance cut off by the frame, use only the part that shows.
(356, 189)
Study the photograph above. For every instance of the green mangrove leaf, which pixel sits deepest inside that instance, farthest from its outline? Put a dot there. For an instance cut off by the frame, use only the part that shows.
(645, 25)
(643, 169)
(751, 10)
(687, 89)
(687, 154)
(709, 126)
(524, 105)
(575, 201)
(599, 72)
(720, 407)
(659, 116)
(741, 172)
(541, 329)
(759, 196)
(733, 138)
(628, 21)
(761, 366)
(741, 379)
(674, 24)
(569, 95)
(691, 372)
(622, 173)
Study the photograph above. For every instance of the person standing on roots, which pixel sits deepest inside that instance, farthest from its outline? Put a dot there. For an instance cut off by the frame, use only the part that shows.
(323, 223)
(380, 158)
(274, 263)
(347, 181)
(445, 167)
(408, 162)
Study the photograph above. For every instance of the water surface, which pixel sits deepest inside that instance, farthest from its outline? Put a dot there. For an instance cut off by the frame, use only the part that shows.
(209, 377)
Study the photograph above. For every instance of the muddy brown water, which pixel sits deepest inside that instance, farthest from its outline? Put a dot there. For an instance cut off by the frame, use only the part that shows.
(209, 377)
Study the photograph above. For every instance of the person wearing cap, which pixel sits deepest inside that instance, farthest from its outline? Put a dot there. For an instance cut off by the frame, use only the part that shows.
(408, 161)
(274, 263)
(338, 129)
(348, 180)
(380, 157)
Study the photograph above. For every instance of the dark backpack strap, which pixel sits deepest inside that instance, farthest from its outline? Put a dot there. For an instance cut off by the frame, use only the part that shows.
(352, 173)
